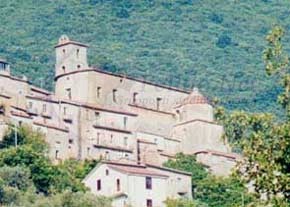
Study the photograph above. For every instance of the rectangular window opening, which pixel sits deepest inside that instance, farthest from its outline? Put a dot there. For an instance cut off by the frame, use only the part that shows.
(148, 183)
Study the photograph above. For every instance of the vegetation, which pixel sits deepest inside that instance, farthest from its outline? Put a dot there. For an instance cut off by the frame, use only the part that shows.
(28, 178)
(264, 143)
(214, 45)
(208, 190)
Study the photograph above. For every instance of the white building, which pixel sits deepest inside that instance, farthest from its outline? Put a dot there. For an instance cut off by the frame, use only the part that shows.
(138, 185)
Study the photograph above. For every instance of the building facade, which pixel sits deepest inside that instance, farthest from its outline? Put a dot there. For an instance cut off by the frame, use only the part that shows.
(138, 185)
(96, 114)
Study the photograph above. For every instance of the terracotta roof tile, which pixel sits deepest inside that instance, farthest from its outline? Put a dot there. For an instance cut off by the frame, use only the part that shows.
(195, 98)
(218, 153)
(136, 170)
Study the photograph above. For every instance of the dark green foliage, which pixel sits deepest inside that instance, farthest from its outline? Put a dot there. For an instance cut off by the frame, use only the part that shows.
(17, 177)
(188, 163)
(223, 41)
(25, 136)
(209, 190)
(29, 178)
(224, 192)
(214, 45)
(45, 176)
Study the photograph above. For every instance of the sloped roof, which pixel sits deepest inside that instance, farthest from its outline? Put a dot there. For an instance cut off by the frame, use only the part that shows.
(136, 170)
(230, 155)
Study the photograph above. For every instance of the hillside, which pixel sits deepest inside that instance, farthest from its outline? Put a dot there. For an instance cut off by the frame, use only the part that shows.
(214, 45)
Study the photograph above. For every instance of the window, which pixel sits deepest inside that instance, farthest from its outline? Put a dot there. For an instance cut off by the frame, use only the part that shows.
(56, 154)
(118, 185)
(70, 141)
(98, 138)
(107, 156)
(63, 69)
(135, 97)
(125, 141)
(99, 185)
(64, 110)
(97, 118)
(99, 92)
(148, 183)
(63, 51)
(149, 203)
(158, 100)
(111, 140)
(44, 108)
(68, 92)
(78, 52)
(30, 105)
(107, 172)
(125, 120)
(178, 115)
(88, 151)
(114, 95)
(79, 66)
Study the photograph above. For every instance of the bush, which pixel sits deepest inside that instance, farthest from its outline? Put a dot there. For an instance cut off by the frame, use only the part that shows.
(17, 177)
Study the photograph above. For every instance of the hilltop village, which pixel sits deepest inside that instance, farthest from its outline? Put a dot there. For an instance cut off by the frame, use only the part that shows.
(132, 125)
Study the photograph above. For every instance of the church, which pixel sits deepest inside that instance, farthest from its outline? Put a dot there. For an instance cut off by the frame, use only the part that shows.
(131, 124)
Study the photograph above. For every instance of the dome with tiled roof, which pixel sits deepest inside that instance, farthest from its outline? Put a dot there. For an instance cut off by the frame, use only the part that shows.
(195, 97)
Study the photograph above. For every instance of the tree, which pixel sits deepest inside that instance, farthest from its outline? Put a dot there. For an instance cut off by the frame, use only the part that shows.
(208, 190)
(188, 163)
(25, 136)
(277, 63)
(183, 203)
(264, 141)
(17, 177)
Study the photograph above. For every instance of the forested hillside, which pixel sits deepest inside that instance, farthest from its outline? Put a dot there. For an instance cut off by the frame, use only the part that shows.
(212, 44)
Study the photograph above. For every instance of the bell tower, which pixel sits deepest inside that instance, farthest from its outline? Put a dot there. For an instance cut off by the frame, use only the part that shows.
(70, 56)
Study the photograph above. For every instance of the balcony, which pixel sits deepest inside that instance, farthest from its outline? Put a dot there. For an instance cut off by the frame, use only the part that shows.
(113, 129)
(68, 118)
(113, 147)
(32, 111)
(46, 114)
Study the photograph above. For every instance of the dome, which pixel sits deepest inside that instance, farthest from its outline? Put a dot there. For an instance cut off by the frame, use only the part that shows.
(195, 97)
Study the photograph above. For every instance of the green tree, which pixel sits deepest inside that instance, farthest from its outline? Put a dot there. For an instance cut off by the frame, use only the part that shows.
(17, 177)
(183, 203)
(277, 63)
(264, 141)
(31, 154)
(188, 163)
(208, 190)
(25, 136)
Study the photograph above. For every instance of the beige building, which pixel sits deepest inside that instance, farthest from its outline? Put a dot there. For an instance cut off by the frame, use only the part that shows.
(138, 185)
(97, 114)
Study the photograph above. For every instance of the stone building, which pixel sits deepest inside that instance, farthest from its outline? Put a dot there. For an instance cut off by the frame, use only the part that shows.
(97, 114)
(138, 185)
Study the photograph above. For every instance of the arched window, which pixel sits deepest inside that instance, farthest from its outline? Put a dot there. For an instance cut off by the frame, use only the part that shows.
(78, 53)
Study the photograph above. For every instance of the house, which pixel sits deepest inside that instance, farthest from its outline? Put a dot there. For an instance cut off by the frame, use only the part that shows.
(141, 185)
